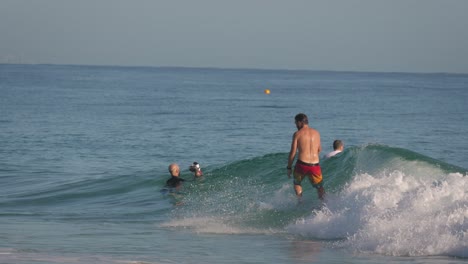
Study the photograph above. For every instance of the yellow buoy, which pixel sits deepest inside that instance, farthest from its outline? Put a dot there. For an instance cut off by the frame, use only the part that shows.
(266, 91)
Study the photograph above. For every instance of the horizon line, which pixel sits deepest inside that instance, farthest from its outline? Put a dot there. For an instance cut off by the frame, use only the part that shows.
(235, 68)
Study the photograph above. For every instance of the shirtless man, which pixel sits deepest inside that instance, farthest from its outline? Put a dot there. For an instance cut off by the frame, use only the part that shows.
(307, 141)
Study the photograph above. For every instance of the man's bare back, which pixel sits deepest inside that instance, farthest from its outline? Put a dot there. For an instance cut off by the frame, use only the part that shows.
(308, 144)
(307, 141)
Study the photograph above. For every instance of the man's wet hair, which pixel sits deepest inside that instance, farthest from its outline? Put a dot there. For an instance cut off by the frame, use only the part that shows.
(337, 143)
(302, 118)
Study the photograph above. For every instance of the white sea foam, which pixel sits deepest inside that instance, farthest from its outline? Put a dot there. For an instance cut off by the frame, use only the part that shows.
(211, 225)
(396, 213)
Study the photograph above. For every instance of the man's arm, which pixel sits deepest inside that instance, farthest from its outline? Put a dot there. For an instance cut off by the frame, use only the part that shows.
(292, 154)
(319, 145)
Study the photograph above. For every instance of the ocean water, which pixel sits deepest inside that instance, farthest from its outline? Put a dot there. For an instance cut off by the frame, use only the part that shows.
(84, 152)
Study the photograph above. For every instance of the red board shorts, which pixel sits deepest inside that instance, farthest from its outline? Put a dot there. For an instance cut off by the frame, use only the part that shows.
(313, 171)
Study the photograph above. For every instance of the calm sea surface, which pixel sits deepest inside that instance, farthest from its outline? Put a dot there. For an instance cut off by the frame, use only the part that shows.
(84, 152)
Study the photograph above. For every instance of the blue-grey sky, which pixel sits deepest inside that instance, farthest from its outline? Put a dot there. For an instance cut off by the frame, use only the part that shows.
(349, 35)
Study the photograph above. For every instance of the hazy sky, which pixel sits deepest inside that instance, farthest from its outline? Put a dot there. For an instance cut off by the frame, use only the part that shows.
(350, 35)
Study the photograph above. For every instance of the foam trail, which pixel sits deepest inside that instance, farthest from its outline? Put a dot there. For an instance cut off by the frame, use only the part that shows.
(212, 225)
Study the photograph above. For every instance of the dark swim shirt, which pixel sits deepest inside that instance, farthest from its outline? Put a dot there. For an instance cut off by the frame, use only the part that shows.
(174, 182)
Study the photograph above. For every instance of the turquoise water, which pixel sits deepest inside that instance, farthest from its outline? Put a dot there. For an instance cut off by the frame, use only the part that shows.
(84, 154)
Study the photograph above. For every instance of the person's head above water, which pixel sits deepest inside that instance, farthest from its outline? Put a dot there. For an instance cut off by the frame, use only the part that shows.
(195, 168)
(338, 145)
(174, 169)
